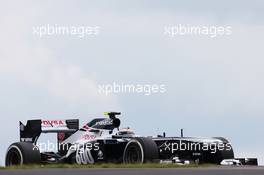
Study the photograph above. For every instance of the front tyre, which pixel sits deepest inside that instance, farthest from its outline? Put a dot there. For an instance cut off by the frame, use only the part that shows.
(22, 153)
(140, 150)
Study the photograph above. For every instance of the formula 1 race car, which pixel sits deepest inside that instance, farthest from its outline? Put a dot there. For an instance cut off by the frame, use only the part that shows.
(101, 141)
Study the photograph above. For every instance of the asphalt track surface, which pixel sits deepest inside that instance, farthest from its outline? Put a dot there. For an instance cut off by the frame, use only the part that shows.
(140, 171)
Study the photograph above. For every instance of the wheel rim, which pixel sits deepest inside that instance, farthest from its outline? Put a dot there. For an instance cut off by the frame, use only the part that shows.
(133, 154)
(13, 157)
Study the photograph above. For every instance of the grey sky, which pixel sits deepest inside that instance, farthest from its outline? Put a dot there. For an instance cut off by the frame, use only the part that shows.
(214, 85)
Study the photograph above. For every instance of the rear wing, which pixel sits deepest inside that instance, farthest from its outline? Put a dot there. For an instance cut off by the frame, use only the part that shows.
(32, 130)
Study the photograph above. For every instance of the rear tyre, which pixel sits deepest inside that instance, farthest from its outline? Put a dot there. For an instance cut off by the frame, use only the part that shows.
(22, 153)
(140, 150)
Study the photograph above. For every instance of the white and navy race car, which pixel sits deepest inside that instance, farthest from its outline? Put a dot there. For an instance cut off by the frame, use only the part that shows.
(101, 141)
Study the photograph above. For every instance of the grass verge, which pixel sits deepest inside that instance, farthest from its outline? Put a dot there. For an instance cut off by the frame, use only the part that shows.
(108, 165)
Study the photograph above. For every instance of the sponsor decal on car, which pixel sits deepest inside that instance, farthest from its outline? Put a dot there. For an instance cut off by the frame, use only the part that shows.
(84, 157)
(53, 123)
(83, 153)
(104, 122)
(61, 136)
(88, 137)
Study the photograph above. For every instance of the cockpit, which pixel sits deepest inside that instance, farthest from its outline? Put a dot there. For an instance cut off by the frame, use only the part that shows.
(125, 132)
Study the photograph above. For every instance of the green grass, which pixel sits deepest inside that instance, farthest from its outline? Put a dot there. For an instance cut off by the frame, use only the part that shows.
(108, 165)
